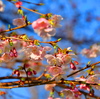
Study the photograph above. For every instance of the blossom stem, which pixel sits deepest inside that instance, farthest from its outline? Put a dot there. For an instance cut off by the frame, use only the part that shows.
(83, 68)
(32, 10)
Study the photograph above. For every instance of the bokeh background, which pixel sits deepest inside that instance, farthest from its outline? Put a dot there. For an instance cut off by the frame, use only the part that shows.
(80, 29)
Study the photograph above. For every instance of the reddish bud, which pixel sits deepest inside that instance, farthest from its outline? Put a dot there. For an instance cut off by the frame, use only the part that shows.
(29, 73)
(15, 54)
(18, 4)
(72, 66)
(26, 65)
(16, 72)
(11, 53)
(34, 72)
(14, 50)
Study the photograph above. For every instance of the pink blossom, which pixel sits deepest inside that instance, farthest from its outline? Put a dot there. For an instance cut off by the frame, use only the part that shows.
(49, 87)
(54, 70)
(80, 79)
(56, 20)
(93, 52)
(52, 60)
(43, 28)
(1, 6)
(93, 79)
(59, 59)
(6, 57)
(50, 98)
(36, 53)
(85, 87)
(68, 93)
(41, 23)
(19, 22)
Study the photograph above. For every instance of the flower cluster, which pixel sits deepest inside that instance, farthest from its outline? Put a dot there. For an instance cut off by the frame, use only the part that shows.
(58, 61)
(46, 28)
(36, 53)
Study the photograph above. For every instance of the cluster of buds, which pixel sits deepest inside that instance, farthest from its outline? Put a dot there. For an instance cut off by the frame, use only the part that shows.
(30, 72)
(16, 72)
(13, 52)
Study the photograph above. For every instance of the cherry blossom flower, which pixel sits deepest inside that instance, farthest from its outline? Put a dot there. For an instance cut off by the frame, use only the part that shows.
(49, 87)
(41, 23)
(71, 94)
(54, 70)
(80, 79)
(19, 22)
(93, 52)
(56, 20)
(85, 87)
(43, 28)
(5, 57)
(59, 59)
(36, 53)
(93, 79)
(46, 28)
(1, 6)
(68, 93)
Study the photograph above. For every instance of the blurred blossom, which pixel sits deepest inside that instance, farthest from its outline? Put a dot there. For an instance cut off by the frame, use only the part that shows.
(36, 53)
(49, 87)
(54, 70)
(93, 52)
(59, 59)
(71, 93)
(93, 79)
(1, 6)
(19, 22)
(85, 87)
(43, 28)
(56, 20)
(46, 28)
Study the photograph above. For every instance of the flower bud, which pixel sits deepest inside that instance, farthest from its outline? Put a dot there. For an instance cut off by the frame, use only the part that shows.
(72, 66)
(16, 72)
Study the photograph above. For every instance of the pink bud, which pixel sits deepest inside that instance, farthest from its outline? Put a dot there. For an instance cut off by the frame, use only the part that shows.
(11, 53)
(34, 72)
(16, 72)
(14, 50)
(72, 66)
(29, 73)
(26, 65)
(15, 54)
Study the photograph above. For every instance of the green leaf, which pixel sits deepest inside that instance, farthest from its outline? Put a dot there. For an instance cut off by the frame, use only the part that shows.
(89, 63)
(11, 43)
(20, 12)
(52, 93)
(59, 39)
(22, 79)
(61, 94)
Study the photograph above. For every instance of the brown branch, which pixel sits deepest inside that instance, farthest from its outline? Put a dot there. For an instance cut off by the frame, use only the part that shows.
(88, 66)
(32, 10)
(50, 42)
(11, 29)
